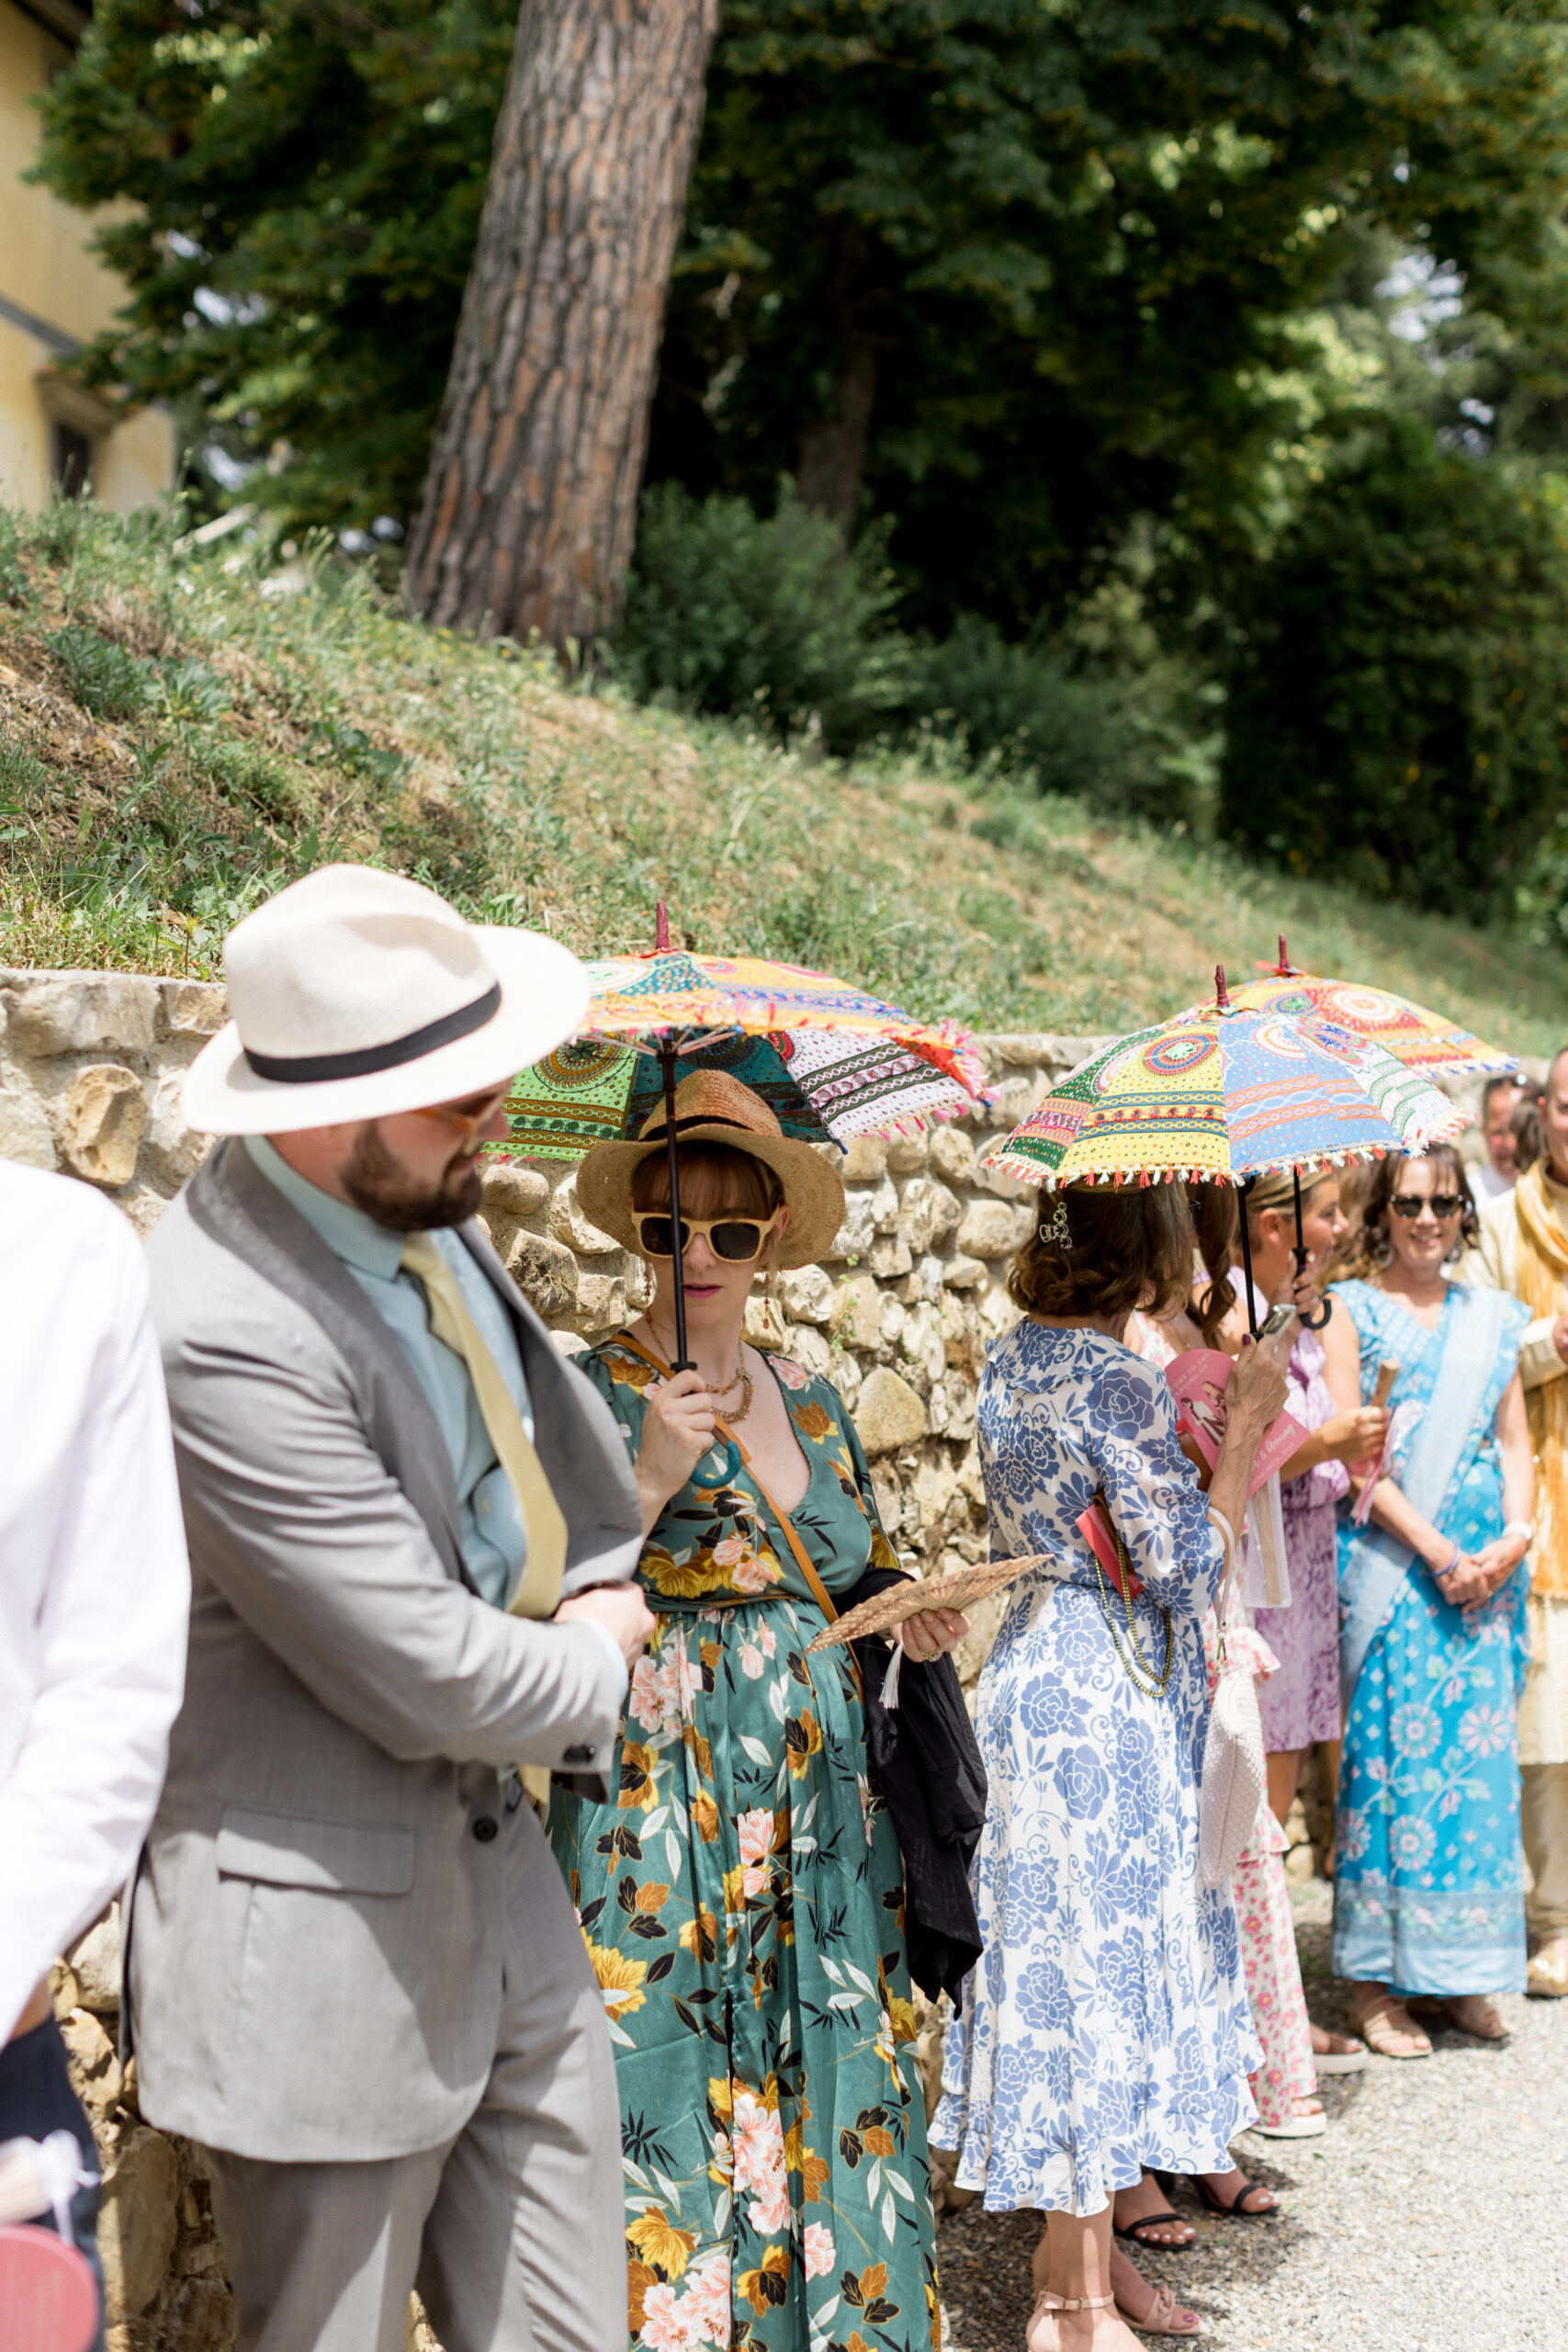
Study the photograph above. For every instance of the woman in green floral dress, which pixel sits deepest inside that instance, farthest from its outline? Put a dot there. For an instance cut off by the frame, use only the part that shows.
(741, 1893)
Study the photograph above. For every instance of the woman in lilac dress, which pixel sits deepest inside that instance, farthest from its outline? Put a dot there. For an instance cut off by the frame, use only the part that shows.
(1301, 1703)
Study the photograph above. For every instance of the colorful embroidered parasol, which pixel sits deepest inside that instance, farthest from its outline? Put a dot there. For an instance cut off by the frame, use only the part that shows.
(1221, 1095)
(820, 1086)
(830, 1061)
(1421, 1040)
(646, 996)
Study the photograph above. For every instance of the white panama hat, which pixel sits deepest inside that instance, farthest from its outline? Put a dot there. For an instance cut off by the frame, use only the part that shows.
(357, 994)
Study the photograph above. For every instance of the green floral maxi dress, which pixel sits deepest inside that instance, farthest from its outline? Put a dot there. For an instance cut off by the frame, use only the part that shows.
(741, 1896)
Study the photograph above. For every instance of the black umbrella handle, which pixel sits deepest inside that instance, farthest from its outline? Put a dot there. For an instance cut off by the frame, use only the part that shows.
(1301, 1252)
(666, 1063)
(1253, 1325)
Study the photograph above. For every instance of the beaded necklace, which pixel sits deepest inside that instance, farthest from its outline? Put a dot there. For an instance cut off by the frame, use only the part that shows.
(1143, 1667)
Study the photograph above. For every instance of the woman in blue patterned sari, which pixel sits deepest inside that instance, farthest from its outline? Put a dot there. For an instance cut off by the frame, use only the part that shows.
(1429, 1874)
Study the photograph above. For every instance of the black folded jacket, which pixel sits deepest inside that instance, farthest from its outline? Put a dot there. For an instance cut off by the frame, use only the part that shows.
(926, 1763)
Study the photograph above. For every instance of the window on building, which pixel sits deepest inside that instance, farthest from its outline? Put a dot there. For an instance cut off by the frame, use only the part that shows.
(73, 465)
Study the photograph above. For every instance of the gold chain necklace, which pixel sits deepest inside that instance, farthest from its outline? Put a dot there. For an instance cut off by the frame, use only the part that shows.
(740, 1374)
(744, 1377)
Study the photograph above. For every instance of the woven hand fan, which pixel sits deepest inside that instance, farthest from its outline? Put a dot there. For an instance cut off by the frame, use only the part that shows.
(956, 1591)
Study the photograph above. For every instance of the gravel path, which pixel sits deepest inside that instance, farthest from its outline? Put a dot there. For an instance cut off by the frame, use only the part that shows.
(1431, 2217)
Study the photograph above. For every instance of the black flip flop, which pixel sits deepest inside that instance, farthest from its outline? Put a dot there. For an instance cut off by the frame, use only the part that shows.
(1235, 2210)
(1135, 2230)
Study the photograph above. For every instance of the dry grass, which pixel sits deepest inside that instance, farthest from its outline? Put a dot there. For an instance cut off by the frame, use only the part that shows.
(284, 722)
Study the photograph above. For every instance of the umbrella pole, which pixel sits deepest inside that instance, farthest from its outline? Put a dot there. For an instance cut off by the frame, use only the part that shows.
(1253, 1325)
(666, 1063)
(1300, 1252)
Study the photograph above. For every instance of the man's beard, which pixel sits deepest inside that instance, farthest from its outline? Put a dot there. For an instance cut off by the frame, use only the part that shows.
(383, 1187)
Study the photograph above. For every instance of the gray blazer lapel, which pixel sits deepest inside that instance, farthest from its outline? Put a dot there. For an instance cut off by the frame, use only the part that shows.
(235, 1204)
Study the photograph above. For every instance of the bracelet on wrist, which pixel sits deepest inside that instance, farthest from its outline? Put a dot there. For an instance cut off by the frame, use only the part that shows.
(1449, 1565)
(1524, 1527)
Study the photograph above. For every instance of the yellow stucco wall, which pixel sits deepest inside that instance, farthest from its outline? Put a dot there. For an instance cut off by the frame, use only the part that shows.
(48, 273)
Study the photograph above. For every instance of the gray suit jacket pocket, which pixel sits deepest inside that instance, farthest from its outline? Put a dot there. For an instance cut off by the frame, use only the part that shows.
(331, 1857)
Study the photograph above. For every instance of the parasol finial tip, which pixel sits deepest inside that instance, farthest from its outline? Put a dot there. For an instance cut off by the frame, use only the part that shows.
(660, 927)
(1284, 955)
(1222, 995)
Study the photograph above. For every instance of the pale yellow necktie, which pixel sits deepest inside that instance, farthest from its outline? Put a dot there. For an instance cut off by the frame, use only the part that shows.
(542, 1519)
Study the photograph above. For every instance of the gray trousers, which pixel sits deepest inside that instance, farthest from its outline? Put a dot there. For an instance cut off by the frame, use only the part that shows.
(511, 2232)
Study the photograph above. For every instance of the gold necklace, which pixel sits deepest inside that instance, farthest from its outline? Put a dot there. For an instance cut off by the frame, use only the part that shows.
(744, 1377)
(740, 1373)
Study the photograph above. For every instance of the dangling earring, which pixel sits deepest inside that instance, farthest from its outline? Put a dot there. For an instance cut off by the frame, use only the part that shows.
(1059, 1232)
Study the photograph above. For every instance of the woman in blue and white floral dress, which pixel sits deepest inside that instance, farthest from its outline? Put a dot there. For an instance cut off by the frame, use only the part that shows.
(1107, 2027)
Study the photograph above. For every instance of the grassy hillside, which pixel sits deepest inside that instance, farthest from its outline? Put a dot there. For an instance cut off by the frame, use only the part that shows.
(180, 735)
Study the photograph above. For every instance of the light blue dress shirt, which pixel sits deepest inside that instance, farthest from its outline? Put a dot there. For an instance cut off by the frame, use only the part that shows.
(494, 1539)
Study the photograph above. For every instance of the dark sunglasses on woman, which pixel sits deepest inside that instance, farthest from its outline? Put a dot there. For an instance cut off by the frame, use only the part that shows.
(738, 1239)
(1409, 1205)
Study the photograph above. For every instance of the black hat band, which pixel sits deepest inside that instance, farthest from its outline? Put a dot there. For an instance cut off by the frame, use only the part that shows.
(315, 1070)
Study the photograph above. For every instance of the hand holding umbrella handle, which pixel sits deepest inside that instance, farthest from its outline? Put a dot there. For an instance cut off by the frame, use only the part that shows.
(1301, 1253)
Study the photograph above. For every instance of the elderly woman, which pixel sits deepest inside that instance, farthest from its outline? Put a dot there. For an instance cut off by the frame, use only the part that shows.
(1107, 2028)
(743, 1892)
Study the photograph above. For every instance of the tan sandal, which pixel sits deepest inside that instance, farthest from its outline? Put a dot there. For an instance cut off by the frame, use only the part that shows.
(1163, 2319)
(1166, 2316)
(1547, 1975)
(1385, 2023)
(1043, 2306)
(1049, 2300)
(1474, 2014)
(1349, 2058)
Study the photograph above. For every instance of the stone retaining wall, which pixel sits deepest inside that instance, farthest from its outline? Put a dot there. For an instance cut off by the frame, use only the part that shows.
(897, 1315)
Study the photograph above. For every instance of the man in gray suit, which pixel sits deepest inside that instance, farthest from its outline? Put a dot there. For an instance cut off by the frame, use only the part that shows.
(354, 1973)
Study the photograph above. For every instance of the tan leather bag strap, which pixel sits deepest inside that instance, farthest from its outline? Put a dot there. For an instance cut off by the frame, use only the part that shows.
(820, 1592)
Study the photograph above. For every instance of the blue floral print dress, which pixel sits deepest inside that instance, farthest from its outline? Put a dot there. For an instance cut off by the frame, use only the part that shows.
(741, 1896)
(1107, 2026)
(1429, 1874)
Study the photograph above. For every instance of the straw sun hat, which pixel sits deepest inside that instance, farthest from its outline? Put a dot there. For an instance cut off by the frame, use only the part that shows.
(713, 1107)
(357, 994)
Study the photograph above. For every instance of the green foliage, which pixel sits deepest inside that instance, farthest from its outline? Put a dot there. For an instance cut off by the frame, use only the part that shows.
(1082, 251)
(979, 899)
(768, 619)
(1036, 712)
(308, 180)
(1543, 899)
(14, 584)
(106, 679)
(1078, 247)
(192, 690)
(1398, 712)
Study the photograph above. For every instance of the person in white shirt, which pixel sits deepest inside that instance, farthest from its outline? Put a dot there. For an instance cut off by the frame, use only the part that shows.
(95, 1597)
(1492, 1173)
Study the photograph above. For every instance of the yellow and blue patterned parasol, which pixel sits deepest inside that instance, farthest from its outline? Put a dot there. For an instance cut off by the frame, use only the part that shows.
(1220, 1094)
(1419, 1039)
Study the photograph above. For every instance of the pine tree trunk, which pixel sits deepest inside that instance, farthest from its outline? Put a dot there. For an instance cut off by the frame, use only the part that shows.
(530, 504)
(830, 454)
(832, 451)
